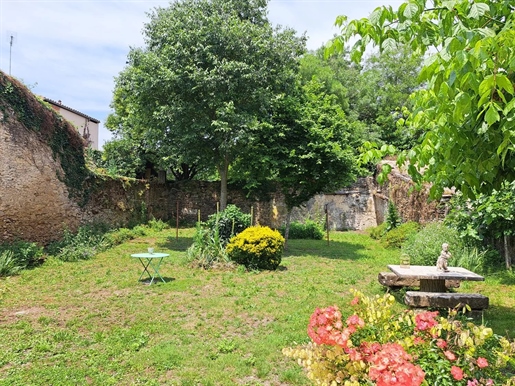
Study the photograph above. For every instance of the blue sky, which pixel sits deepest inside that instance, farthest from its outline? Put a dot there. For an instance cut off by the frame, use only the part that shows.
(71, 50)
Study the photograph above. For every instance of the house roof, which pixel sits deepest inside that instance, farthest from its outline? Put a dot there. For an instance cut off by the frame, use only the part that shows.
(59, 104)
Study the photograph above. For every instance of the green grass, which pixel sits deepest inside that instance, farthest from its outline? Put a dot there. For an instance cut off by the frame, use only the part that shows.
(92, 323)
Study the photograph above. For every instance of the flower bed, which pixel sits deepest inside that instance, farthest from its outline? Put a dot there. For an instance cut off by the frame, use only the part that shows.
(375, 346)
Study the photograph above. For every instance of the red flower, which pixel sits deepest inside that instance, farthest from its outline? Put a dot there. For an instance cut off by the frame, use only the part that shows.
(425, 320)
(450, 355)
(482, 362)
(354, 301)
(457, 373)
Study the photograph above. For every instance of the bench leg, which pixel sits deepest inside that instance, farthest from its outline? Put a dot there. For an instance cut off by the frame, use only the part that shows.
(432, 285)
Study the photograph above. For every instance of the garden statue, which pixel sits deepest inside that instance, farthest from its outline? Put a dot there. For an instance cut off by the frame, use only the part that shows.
(445, 255)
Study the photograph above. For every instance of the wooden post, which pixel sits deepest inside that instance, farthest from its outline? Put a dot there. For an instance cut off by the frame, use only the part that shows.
(327, 223)
(251, 215)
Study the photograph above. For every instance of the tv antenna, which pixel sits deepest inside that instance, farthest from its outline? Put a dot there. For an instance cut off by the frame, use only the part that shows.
(12, 37)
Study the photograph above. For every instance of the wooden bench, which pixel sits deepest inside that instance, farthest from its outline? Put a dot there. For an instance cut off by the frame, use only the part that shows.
(418, 299)
(391, 280)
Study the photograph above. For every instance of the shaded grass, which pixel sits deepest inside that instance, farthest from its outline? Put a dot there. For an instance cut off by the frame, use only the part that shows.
(92, 322)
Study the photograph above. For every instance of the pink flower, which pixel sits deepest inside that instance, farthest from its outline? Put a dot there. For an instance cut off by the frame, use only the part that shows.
(457, 373)
(473, 382)
(441, 343)
(354, 301)
(425, 320)
(325, 327)
(418, 340)
(450, 355)
(355, 320)
(482, 362)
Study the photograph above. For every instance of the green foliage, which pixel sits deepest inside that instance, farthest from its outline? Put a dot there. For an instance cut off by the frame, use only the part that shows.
(257, 248)
(228, 222)
(309, 230)
(393, 218)
(25, 254)
(66, 144)
(377, 232)
(395, 237)
(307, 148)
(424, 247)
(207, 250)
(468, 103)
(82, 245)
(8, 264)
(209, 73)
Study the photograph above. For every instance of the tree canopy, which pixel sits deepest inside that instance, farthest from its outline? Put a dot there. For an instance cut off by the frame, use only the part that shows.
(467, 109)
(207, 77)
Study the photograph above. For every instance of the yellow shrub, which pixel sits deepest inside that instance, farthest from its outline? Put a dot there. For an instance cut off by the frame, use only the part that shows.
(257, 248)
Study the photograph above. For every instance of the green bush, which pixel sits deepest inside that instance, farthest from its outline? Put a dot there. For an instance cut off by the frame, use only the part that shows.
(8, 264)
(25, 254)
(377, 232)
(257, 248)
(228, 222)
(393, 219)
(207, 249)
(397, 236)
(87, 242)
(119, 236)
(309, 230)
(424, 247)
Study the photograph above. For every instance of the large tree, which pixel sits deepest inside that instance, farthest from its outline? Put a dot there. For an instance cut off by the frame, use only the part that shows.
(307, 148)
(468, 106)
(207, 76)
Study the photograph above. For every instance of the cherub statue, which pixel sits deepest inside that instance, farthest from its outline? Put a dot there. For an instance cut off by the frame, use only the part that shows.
(445, 255)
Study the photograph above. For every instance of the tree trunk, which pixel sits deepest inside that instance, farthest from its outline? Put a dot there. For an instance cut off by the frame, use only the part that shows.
(224, 171)
(507, 256)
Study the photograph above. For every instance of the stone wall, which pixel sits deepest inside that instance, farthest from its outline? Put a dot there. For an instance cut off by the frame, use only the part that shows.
(38, 204)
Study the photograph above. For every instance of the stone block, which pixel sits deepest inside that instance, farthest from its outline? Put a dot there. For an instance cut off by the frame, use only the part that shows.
(418, 299)
(390, 279)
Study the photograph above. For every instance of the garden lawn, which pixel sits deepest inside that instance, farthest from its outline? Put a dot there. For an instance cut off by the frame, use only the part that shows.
(93, 323)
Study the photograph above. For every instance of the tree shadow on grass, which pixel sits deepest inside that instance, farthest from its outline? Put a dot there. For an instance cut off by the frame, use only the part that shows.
(338, 250)
(176, 244)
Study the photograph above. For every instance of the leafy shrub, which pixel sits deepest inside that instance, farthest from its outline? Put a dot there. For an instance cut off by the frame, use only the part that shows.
(119, 236)
(397, 236)
(425, 246)
(207, 249)
(257, 248)
(8, 264)
(377, 232)
(158, 225)
(309, 230)
(393, 219)
(25, 254)
(82, 245)
(377, 346)
(228, 222)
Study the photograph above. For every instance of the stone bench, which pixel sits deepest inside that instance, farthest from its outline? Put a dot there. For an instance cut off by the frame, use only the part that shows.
(416, 299)
(391, 280)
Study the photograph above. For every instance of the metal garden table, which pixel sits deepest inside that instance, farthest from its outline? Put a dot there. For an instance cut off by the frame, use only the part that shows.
(151, 263)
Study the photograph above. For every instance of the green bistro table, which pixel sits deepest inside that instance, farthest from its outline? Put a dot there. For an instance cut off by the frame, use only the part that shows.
(152, 260)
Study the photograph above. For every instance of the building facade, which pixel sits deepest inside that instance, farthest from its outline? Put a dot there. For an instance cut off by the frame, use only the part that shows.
(86, 125)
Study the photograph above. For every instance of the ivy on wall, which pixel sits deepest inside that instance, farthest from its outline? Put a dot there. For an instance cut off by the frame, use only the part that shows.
(66, 144)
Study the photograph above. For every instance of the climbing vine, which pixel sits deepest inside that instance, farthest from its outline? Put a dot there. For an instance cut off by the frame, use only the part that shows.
(66, 145)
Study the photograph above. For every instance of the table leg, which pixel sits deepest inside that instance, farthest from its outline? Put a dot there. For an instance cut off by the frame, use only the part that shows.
(155, 267)
(156, 270)
(427, 285)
